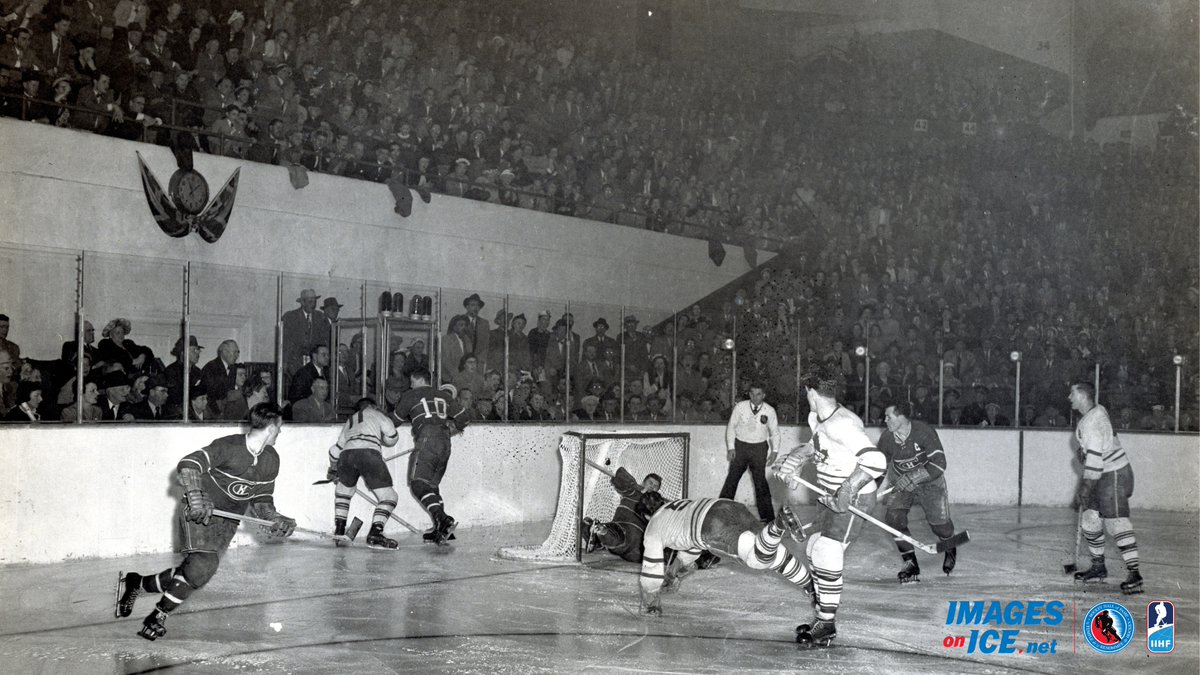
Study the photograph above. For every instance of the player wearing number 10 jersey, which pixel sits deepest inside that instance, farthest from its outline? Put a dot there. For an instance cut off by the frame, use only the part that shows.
(435, 417)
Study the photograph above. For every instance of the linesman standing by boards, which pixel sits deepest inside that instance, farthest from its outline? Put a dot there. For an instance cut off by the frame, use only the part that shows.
(752, 434)
(918, 468)
(1104, 490)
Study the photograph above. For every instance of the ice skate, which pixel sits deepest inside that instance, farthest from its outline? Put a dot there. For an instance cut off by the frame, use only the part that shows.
(376, 539)
(707, 559)
(1096, 573)
(1133, 583)
(152, 626)
(444, 530)
(129, 587)
(911, 572)
(819, 634)
(950, 560)
(787, 521)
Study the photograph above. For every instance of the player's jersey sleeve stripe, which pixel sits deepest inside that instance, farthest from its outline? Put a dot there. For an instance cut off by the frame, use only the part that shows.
(193, 461)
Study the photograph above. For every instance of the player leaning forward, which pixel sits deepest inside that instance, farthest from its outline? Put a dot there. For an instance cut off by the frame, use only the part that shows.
(1104, 490)
(234, 473)
(435, 416)
(358, 453)
(918, 472)
(847, 464)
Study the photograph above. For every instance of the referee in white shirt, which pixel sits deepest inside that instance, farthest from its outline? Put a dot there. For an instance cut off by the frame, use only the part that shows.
(753, 432)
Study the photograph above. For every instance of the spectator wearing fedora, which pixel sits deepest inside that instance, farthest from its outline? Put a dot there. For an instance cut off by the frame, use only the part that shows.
(154, 406)
(174, 372)
(637, 349)
(331, 308)
(518, 345)
(601, 339)
(303, 328)
(199, 404)
(116, 388)
(477, 330)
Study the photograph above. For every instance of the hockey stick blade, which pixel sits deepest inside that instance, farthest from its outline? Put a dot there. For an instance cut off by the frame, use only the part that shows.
(953, 542)
(327, 481)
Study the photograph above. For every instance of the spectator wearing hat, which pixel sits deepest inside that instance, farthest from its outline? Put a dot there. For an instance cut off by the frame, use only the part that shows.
(1157, 420)
(518, 345)
(993, 417)
(539, 340)
(114, 346)
(303, 327)
(174, 372)
(28, 402)
(154, 406)
(198, 412)
(331, 308)
(116, 389)
(220, 375)
(477, 329)
(601, 339)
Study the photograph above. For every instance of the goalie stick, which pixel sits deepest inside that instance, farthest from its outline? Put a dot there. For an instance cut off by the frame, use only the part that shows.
(327, 481)
(954, 541)
(351, 530)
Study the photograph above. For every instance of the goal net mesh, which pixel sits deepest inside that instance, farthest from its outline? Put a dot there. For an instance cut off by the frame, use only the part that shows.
(589, 493)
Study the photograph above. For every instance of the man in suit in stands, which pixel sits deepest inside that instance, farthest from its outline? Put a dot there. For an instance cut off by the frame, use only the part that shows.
(303, 328)
(219, 375)
(154, 407)
(116, 389)
(317, 367)
(316, 406)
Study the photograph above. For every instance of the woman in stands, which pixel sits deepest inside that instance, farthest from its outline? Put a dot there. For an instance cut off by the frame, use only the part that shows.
(115, 348)
(91, 411)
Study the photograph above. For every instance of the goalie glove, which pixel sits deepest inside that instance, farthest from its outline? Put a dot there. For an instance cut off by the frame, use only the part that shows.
(199, 506)
(907, 482)
(840, 500)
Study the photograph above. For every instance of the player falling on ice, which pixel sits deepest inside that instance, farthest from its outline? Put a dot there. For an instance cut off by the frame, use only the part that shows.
(848, 465)
(233, 473)
(358, 453)
(622, 536)
(692, 526)
(918, 465)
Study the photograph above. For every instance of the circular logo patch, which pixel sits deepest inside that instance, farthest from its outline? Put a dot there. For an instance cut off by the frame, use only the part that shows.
(1108, 627)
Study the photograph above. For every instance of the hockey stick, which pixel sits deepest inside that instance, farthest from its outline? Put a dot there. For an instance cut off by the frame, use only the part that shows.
(882, 493)
(954, 541)
(385, 461)
(1072, 567)
(599, 468)
(351, 531)
(393, 516)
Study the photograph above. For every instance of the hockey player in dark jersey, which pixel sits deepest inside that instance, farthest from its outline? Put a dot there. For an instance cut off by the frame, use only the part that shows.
(234, 473)
(918, 467)
(622, 536)
(435, 416)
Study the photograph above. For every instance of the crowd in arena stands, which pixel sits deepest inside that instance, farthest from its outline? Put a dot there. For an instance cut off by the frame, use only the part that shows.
(922, 248)
(491, 101)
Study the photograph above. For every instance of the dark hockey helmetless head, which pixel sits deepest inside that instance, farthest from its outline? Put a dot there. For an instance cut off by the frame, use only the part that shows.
(823, 379)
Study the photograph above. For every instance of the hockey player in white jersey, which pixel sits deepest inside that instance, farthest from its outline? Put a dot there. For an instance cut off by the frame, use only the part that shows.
(849, 467)
(358, 454)
(692, 526)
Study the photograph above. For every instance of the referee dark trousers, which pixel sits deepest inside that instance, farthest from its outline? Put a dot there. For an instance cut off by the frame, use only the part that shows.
(754, 457)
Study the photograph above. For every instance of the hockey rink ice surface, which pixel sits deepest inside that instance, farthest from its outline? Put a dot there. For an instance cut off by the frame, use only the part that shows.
(303, 606)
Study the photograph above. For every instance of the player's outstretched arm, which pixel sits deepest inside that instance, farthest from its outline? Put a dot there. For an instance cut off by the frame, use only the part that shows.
(652, 577)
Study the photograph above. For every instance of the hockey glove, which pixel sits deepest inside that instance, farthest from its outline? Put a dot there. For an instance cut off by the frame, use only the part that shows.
(907, 482)
(787, 467)
(283, 527)
(840, 500)
(1083, 493)
(199, 506)
(331, 473)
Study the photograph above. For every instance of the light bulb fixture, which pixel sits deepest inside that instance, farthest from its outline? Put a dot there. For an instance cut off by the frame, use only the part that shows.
(1015, 356)
(860, 350)
(1177, 360)
(727, 344)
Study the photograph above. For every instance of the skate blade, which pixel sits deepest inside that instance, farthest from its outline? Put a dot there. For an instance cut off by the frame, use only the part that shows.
(120, 592)
(910, 580)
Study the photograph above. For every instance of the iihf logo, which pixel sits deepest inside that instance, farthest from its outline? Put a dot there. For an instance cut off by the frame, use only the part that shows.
(1160, 627)
(1108, 627)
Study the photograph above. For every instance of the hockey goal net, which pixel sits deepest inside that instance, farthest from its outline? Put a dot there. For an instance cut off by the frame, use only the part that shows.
(585, 491)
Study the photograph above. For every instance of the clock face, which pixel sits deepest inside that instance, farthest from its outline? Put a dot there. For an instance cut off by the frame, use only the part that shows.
(190, 191)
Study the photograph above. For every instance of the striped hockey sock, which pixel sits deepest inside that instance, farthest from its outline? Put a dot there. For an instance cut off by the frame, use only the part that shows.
(827, 561)
(156, 583)
(382, 511)
(1121, 531)
(766, 543)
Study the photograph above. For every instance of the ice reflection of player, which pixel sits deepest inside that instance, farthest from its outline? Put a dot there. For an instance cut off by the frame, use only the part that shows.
(1103, 623)
(1160, 611)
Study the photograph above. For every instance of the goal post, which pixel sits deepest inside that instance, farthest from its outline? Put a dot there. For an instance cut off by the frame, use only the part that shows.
(585, 491)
